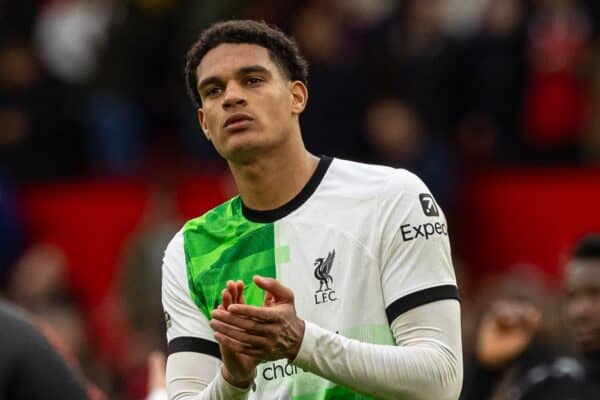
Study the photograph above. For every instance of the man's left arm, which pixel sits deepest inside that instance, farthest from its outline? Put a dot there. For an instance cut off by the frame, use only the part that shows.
(420, 296)
(426, 363)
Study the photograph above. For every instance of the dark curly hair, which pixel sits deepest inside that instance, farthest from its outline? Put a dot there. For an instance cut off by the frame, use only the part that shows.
(588, 247)
(283, 50)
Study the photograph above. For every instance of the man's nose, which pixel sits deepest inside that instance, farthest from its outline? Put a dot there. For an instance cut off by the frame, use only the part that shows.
(233, 96)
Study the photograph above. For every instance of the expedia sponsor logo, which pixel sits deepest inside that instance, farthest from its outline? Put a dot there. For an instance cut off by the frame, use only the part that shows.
(424, 231)
(430, 209)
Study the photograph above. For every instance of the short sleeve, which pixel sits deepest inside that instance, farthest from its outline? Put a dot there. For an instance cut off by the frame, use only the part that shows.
(187, 328)
(416, 262)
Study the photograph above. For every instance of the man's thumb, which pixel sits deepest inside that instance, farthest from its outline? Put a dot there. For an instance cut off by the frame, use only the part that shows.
(273, 286)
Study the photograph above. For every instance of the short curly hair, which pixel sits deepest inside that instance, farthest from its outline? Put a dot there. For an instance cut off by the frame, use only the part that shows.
(283, 50)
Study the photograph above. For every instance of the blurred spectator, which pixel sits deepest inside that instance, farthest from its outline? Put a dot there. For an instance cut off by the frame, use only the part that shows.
(555, 98)
(29, 368)
(508, 340)
(589, 146)
(577, 379)
(69, 35)
(411, 56)
(37, 280)
(157, 385)
(17, 17)
(12, 235)
(516, 331)
(494, 74)
(397, 137)
(39, 133)
(331, 121)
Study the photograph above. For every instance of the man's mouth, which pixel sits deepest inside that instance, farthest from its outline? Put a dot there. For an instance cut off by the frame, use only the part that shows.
(237, 121)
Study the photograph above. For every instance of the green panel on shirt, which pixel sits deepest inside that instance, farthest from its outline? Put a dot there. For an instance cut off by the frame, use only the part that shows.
(222, 245)
(334, 393)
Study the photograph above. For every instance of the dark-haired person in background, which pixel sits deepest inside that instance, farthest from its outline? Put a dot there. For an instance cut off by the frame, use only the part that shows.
(569, 378)
(30, 368)
(324, 278)
(505, 368)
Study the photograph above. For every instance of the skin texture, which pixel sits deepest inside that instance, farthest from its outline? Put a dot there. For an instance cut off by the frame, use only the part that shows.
(583, 303)
(265, 153)
(263, 146)
(505, 331)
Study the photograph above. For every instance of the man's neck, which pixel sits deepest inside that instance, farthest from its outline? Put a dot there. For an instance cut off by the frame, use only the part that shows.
(273, 180)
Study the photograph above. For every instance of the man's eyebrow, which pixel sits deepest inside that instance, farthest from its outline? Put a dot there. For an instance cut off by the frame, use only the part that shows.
(242, 71)
(208, 81)
(252, 68)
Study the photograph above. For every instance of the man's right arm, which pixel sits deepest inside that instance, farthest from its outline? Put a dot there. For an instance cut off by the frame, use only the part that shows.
(193, 363)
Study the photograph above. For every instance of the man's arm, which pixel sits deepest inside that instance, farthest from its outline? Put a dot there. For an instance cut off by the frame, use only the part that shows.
(426, 363)
(193, 363)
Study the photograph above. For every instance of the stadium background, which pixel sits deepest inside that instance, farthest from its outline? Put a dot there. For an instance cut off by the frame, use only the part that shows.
(494, 103)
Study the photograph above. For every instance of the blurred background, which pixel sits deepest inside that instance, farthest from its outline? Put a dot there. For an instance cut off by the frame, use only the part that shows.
(495, 104)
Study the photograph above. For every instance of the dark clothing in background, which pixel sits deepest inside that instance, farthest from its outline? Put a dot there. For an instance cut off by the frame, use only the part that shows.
(29, 367)
(565, 378)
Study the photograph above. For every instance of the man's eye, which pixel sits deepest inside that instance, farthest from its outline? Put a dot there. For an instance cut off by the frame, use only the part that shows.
(213, 92)
(253, 81)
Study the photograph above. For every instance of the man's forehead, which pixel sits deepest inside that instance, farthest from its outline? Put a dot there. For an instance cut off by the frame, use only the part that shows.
(228, 58)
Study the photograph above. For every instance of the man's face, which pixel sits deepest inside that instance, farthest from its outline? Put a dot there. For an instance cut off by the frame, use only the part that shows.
(583, 302)
(248, 107)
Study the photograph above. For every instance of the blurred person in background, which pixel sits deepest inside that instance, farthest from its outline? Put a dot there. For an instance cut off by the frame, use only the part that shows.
(410, 55)
(397, 137)
(12, 231)
(40, 137)
(556, 91)
(30, 368)
(573, 378)
(509, 341)
(493, 73)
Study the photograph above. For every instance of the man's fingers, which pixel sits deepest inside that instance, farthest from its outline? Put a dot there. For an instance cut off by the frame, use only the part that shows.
(247, 324)
(239, 347)
(259, 314)
(241, 335)
(226, 298)
(280, 292)
(233, 290)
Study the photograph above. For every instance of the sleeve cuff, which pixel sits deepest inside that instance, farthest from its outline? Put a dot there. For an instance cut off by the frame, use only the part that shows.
(229, 391)
(309, 343)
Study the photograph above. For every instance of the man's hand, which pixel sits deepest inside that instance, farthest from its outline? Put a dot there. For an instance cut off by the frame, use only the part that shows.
(237, 369)
(505, 332)
(271, 332)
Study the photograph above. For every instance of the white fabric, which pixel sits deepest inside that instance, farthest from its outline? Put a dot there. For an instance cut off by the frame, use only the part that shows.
(425, 364)
(195, 376)
(386, 247)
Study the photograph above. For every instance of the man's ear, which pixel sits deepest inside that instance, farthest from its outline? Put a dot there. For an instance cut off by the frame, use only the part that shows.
(203, 124)
(299, 93)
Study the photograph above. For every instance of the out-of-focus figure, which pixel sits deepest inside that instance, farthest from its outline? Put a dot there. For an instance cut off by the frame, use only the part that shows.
(30, 368)
(508, 339)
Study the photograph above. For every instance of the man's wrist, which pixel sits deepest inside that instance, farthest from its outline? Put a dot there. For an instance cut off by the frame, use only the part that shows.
(294, 351)
(243, 383)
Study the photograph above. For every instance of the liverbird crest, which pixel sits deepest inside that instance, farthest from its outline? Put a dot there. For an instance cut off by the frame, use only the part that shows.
(322, 269)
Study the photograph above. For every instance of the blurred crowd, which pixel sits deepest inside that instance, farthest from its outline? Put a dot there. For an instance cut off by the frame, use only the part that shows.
(94, 88)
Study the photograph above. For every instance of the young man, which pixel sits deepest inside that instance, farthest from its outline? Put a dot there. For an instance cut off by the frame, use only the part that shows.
(324, 278)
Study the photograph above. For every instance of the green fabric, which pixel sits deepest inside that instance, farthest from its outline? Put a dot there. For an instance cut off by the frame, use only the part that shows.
(222, 245)
(333, 393)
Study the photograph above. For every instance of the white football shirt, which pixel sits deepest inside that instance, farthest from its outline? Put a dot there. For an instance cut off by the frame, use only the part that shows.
(359, 245)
